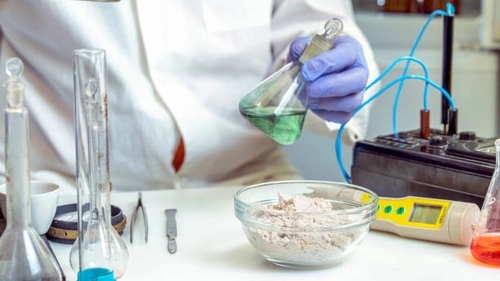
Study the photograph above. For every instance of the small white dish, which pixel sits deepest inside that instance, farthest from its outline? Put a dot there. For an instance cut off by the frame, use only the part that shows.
(44, 201)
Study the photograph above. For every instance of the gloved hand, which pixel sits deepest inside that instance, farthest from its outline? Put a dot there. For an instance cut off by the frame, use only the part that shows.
(337, 78)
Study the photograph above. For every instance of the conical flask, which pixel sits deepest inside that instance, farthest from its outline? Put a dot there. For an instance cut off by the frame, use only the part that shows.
(278, 105)
(99, 249)
(24, 256)
(485, 245)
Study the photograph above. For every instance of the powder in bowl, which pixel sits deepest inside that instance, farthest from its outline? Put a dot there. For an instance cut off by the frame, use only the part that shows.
(305, 224)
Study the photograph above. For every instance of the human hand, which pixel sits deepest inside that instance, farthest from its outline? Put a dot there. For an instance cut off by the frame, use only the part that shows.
(337, 78)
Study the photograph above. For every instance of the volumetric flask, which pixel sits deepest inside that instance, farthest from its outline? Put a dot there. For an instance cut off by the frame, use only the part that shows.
(485, 245)
(23, 253)
(99, 249)
(278, 105)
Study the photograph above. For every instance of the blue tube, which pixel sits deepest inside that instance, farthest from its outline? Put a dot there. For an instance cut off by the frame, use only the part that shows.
(400, 80)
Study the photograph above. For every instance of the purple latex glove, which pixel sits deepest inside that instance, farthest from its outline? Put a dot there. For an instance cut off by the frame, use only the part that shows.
(337, 78)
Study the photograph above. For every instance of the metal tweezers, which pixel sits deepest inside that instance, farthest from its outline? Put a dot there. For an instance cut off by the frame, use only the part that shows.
(144, 218)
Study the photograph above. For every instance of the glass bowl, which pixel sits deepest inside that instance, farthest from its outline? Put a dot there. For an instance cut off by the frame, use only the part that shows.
(303, 223)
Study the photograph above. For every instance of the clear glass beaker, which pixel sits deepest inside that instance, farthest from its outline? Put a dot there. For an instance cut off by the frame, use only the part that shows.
(485, 245)
(278, 105)
(24, 255)
(98, 248)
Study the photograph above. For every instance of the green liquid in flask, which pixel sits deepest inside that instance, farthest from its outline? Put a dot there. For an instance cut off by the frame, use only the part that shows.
(285, 128)
(278, 104)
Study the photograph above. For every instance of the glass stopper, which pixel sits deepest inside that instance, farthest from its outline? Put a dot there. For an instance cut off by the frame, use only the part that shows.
(14, 67)
(333, 28)
(91, 88)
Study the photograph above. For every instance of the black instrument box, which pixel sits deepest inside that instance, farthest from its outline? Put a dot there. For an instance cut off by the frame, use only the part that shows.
(457, 167)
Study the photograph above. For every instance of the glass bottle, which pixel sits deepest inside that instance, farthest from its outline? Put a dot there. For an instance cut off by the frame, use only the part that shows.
(99, 249)
(278, 105)
(485, 245)
(24, 255)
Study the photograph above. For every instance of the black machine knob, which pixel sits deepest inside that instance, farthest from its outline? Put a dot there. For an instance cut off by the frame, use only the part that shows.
(437, 141)
(437, 145)
(467, 136)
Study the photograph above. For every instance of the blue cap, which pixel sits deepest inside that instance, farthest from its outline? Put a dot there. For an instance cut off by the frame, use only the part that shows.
(96, 274)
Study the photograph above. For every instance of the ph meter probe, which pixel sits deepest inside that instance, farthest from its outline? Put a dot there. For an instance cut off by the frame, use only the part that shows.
(428, 219)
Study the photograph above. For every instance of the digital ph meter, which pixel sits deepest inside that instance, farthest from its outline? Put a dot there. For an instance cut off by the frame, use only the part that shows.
(429, 219)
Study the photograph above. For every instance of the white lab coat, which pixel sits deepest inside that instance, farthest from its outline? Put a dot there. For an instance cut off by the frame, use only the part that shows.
(175, 68)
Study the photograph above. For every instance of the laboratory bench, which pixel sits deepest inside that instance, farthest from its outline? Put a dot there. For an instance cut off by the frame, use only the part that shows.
(212, 245)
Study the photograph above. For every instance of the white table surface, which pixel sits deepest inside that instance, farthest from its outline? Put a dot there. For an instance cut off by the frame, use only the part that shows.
(212, 246)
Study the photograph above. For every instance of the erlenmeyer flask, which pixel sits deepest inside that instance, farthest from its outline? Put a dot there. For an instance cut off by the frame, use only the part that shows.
(278, 105)
(99, 249)
(23, 253)
(485, 245)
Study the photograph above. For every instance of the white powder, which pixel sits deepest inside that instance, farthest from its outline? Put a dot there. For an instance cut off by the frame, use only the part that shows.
(292, 241)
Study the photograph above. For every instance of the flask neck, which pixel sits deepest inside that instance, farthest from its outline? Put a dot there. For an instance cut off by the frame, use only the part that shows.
(100, 206)
(17, 168)
(318, 45)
